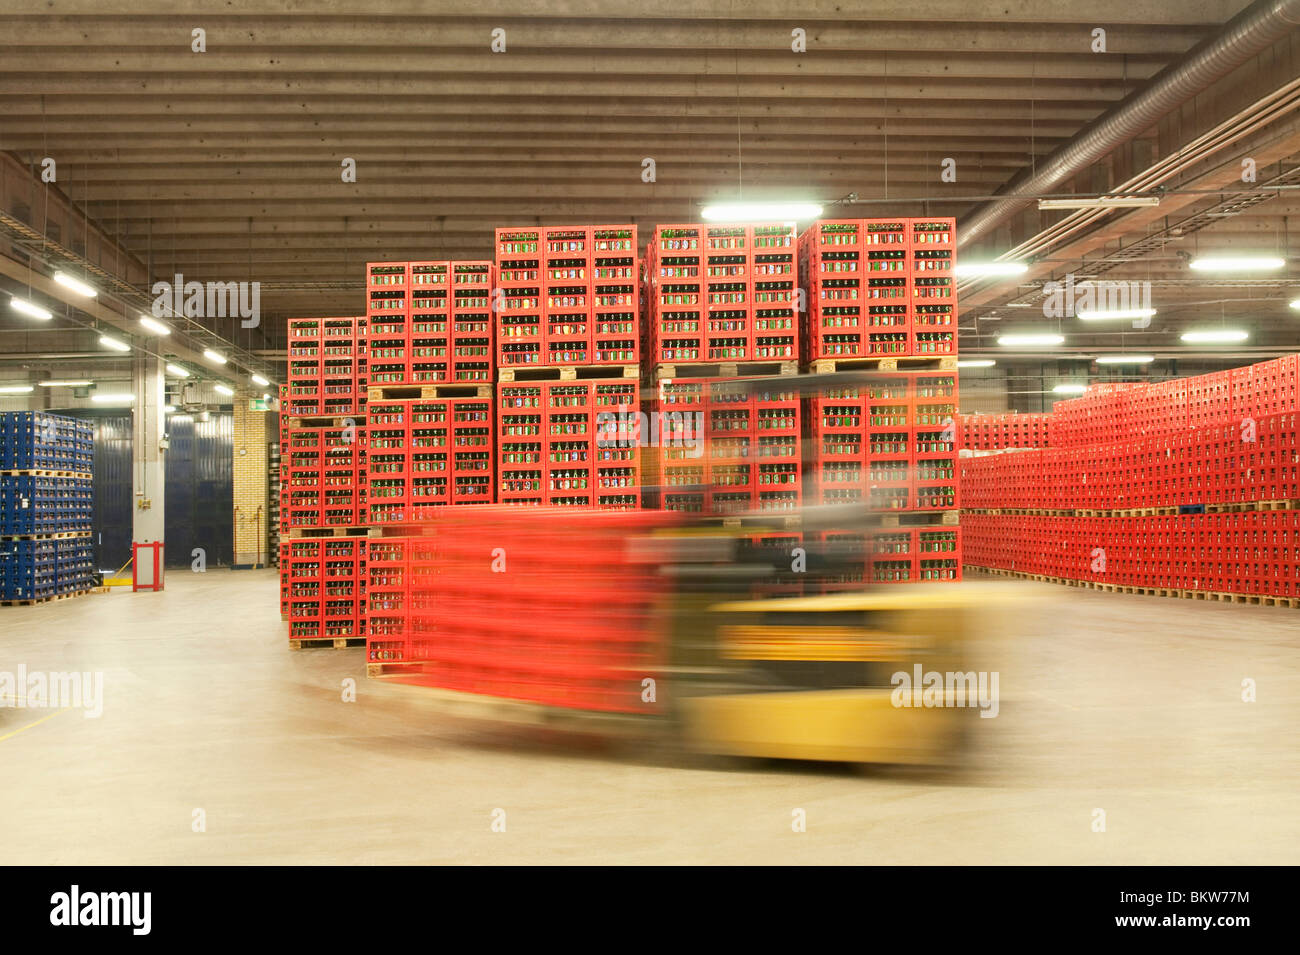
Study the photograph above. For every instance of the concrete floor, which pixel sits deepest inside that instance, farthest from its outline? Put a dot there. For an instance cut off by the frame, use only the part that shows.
(1129, 704)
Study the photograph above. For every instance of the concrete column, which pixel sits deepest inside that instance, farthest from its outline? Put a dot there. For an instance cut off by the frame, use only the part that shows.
(147, 456)
(251, 481)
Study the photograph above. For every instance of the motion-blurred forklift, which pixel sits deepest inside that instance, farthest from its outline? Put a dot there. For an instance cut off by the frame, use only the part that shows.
(755, 672)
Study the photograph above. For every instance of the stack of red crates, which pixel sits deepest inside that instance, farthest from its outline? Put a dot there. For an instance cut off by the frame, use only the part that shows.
(430, 322)
(993, 432)
(725, 450)
(891, 444)
(720, 293)
(323, 478)
(880, 287)
(323, 587)
(328, 368)
(1223, 440)
(568, 296)
(428, 452)
(523, 629)
(570, 443)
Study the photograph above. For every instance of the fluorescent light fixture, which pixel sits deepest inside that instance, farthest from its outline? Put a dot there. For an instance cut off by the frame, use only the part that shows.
(223, 390)
(178, 371)
(1237, 263)
(155, 326)
(259, 380)
(969, 270)
(1069, 389)
(1215, 335)
(1027, 339)
(760, 211)
(169, 409)
(122, 398)
(214, 356)
(1105, 314)
(76, 285)
(1100, 202)
(976, 363)
(66, 383)
(108, 342)
(16, 389)
(1124, 359)
(30, 310)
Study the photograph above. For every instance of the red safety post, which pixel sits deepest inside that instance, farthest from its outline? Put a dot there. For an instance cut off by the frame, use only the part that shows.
(153, 580)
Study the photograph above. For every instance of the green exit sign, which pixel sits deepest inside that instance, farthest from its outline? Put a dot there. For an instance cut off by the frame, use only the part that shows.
(257, 404)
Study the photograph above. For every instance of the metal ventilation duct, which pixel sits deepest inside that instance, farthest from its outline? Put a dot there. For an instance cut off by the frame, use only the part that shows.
(1247, 34)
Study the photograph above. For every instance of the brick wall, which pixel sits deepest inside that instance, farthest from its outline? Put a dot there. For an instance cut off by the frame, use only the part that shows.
(253, 430)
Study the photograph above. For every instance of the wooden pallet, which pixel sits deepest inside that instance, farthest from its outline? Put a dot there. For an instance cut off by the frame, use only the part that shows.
(886, 363)
(62, 535)
(327, 643)
(567, 372)
(303, 533)
(412, 529)
(1232, 507)
(1217, 596)
(46, 472)
(30, 601)
(326, 421)
(428, 392)
(945, 518)
(726, 369)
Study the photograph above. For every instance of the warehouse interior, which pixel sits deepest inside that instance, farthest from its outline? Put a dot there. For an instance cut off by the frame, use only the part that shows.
(191, 199)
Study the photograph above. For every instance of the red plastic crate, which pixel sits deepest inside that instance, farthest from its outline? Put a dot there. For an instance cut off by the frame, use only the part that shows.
(569, 443)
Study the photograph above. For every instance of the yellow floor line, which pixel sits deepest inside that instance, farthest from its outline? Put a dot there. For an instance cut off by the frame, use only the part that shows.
(37, 723)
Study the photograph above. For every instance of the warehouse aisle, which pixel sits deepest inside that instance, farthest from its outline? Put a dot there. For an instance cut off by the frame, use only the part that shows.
(1127, 704)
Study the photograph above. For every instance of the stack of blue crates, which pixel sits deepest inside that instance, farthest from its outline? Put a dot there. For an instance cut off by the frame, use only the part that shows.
(46, 505)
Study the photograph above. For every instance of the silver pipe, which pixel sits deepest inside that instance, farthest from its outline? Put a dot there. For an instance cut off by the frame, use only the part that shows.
(1253, 30)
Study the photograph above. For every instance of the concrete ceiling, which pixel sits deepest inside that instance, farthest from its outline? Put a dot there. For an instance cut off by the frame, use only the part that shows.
(225, 165)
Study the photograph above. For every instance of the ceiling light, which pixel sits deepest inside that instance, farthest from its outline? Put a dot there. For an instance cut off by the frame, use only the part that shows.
(76, 285)
(1244, 263)
(178, 371)
(1216, 335)
(1069, 389)
(214, 356)
(1123, 359)
(1100, 202)
(222, 389)
(157, 327)
(1043, 339)
(987, 269)
(1296, 303)
(976, 363)
(66, 383)
(124, 398)
(16, 389)
(760, 211)
(259, 380)
(30, 310)
(1104, 314)
(108, 342)
(169, 409)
